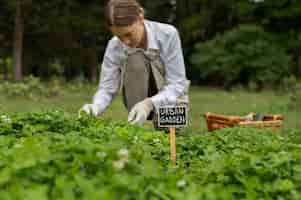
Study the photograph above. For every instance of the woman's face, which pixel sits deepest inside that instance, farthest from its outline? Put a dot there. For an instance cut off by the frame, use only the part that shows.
(133, 35)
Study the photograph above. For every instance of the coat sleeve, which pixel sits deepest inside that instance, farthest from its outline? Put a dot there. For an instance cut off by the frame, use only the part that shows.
(109, 76)
(176, 83)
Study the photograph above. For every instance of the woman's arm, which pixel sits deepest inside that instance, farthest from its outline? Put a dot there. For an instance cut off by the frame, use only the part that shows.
(109, 77)
(176, 82)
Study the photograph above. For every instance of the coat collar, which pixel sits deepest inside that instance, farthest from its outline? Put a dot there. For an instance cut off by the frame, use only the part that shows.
(151, 38)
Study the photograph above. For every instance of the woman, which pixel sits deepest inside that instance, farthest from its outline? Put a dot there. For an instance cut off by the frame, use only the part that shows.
(144, 59)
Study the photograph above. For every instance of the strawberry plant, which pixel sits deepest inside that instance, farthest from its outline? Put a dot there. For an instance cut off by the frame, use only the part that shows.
(54, 155)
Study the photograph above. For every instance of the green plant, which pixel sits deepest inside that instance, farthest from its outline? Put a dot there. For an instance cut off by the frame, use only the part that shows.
(242, 55)
(288, 85)
(295, 99)
(31, 88)
(53, 155)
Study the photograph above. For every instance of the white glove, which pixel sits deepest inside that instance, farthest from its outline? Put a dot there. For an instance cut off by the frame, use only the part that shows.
(91, 109)
(140, 112)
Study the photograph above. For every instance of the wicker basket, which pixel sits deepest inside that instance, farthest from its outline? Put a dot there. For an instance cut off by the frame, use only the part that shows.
(218, 121)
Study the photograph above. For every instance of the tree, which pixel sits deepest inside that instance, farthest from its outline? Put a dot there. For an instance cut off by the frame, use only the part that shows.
(18, 41)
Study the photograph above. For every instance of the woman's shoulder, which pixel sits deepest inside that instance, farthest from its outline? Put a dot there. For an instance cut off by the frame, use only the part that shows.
(114, 44)
(115, 50)
(161, 29)
(162, 35)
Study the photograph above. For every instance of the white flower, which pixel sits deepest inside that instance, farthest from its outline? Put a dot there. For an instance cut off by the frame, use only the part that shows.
(156, 140)
(135, 139)
(47, 117)
(119, 164)
(5, 119)
(282, 152)
(281, 138)
(123, 155)
(17, 146)
(181, 183)
(101, 154)
(3, 116)
(257, 1)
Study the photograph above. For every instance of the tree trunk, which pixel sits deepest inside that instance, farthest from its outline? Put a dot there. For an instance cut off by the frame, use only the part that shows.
(18, 42)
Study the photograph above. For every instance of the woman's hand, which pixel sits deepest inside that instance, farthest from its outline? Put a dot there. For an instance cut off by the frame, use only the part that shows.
(91, 109)
(140, 112)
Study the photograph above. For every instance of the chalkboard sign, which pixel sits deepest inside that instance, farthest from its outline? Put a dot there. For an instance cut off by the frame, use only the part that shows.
(172, 116)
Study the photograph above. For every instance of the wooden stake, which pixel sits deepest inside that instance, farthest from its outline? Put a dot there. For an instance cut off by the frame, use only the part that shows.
(173, 146)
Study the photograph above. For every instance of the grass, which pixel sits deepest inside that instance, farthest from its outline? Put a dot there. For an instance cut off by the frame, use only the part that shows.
(201, 100)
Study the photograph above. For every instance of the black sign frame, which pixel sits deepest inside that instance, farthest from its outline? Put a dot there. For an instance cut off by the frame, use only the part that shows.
(168, 116)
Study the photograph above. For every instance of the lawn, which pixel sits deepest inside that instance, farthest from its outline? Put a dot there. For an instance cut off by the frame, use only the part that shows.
(55, 155)
(202, 100)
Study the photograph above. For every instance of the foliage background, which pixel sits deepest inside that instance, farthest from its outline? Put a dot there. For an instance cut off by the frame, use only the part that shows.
(67, 38)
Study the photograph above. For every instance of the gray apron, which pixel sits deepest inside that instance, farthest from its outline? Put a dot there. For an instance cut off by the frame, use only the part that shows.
(144, 76)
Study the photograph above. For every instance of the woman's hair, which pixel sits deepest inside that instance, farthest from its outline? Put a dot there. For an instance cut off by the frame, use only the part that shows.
(122, 12)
